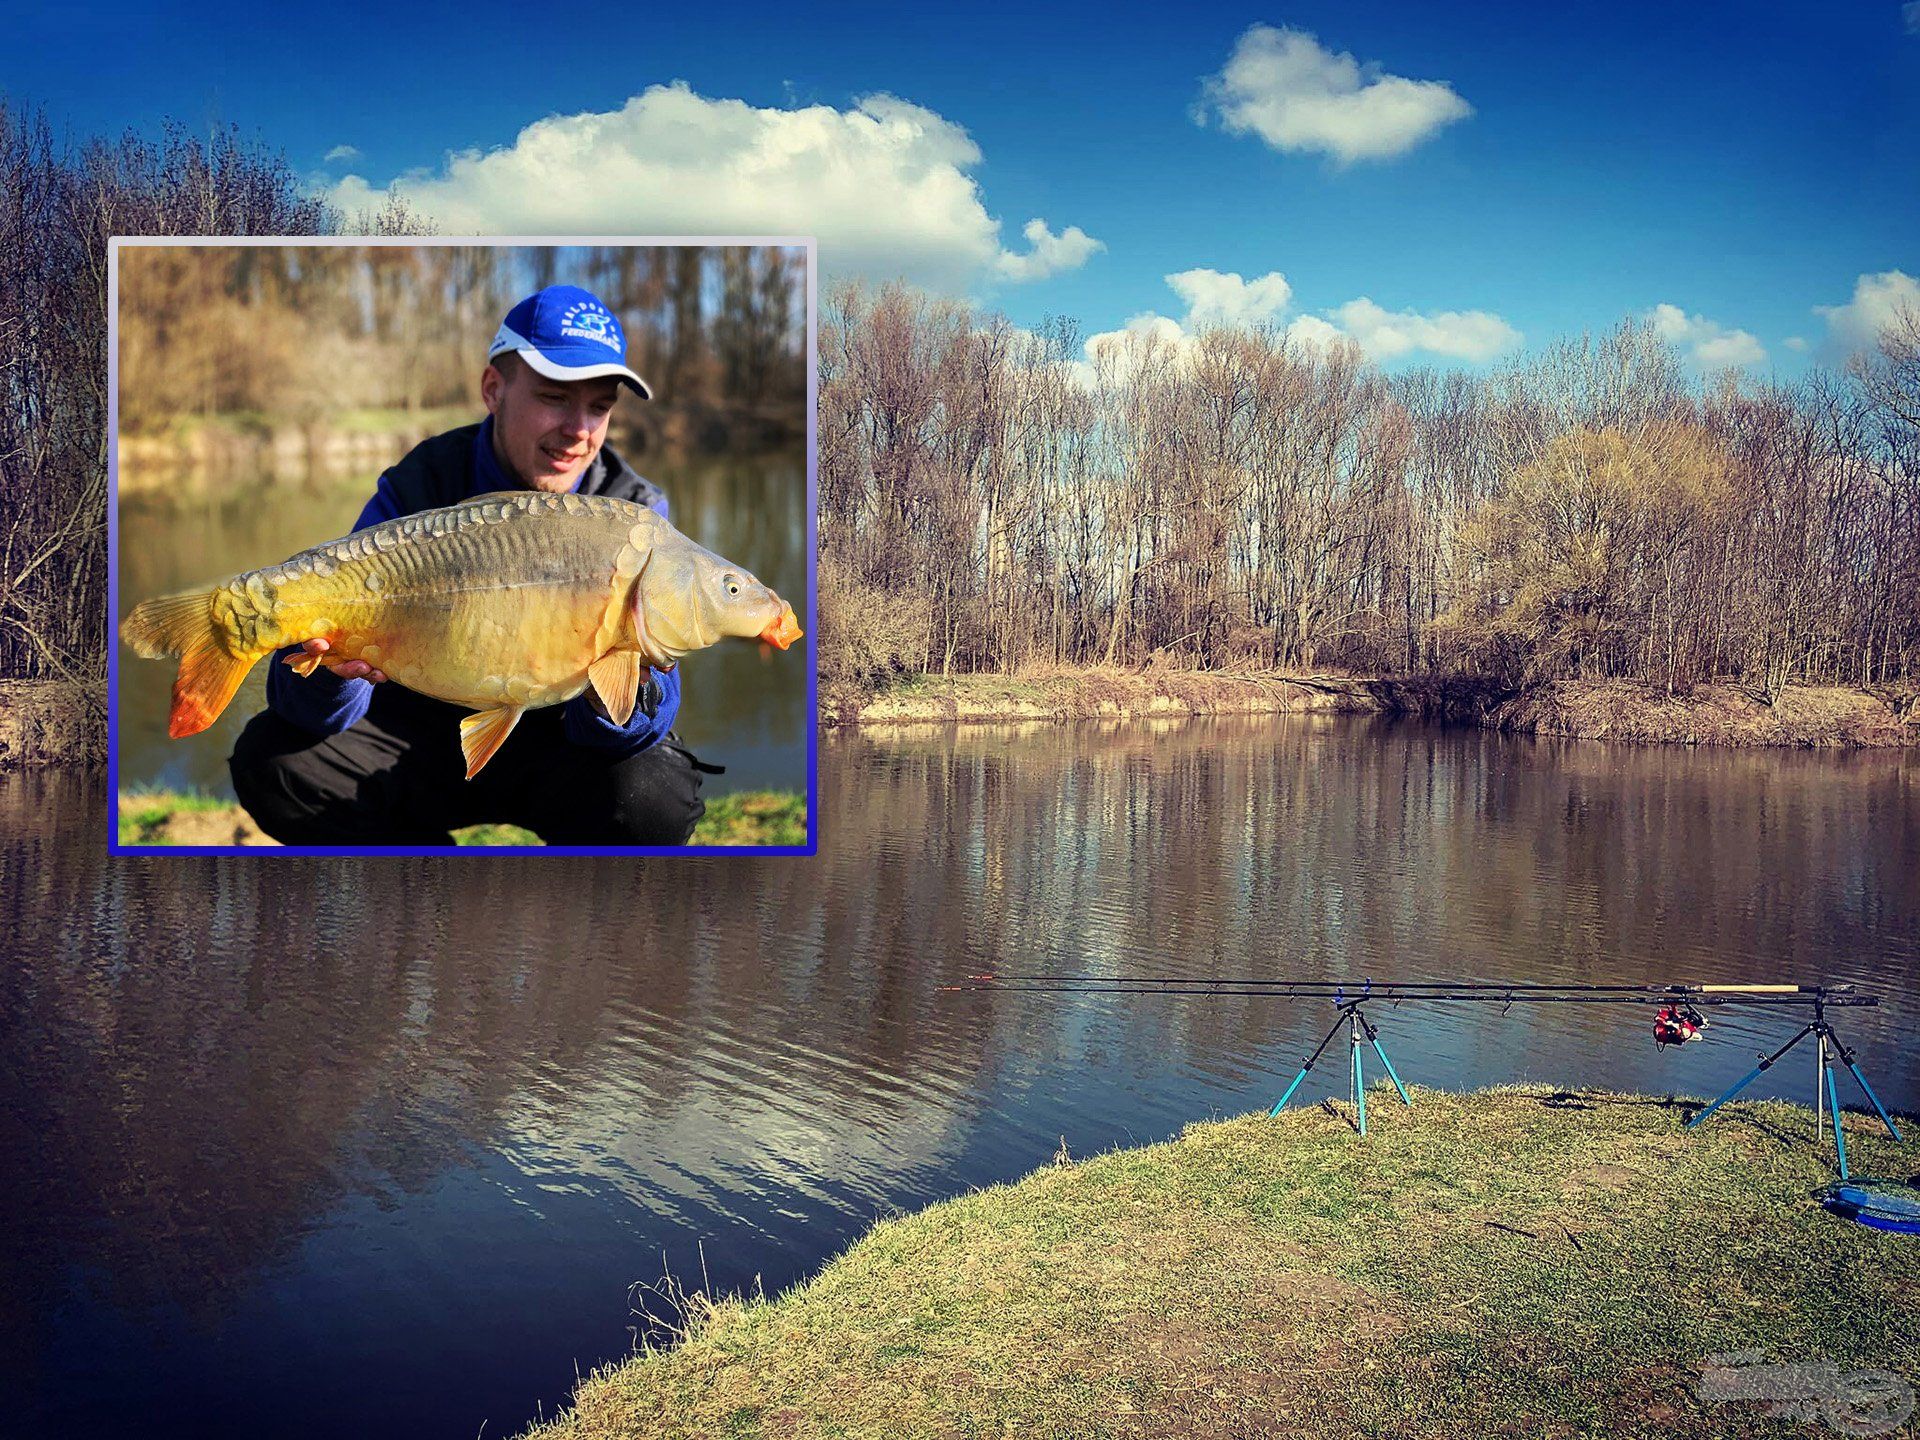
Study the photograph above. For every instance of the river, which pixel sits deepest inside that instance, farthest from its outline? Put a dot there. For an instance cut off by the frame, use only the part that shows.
(378, 1147)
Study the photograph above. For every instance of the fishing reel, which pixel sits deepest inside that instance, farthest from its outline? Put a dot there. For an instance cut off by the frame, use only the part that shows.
(1677, 1024)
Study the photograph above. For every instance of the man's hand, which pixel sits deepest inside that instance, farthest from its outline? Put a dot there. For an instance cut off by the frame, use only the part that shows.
(345, 669)
(646, 700)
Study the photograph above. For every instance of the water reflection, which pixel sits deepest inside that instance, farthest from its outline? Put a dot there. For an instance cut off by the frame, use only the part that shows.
(285, 1135)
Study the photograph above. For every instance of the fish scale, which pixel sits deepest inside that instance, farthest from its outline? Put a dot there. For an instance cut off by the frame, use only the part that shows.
(503, 603)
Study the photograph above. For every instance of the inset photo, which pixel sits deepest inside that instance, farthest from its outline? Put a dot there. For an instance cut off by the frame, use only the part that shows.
(418, 545)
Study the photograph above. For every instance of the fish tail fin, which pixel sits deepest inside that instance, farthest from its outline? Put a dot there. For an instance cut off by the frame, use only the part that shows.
(210, 673)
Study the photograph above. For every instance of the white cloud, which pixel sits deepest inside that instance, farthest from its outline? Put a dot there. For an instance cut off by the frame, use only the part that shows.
(885, 187)
(1050, 253)
(1311, 330)
(1877, 302)
(1214, 298)
(1472, 335)
(1707, 343)
(1283, 86)
(341, 152)
(1795, 343)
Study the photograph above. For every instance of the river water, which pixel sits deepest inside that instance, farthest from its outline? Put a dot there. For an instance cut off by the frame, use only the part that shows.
(379, 1147)
(740, 708)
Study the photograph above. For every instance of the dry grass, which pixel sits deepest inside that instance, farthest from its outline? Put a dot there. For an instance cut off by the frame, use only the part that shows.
(1808, 716)
(1514, 1262)
(1098, 692)
(47, 722)
(1593, 710)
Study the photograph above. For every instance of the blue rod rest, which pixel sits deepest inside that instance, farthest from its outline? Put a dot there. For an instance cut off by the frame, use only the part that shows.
(1752, 1075)
(1878, 1108)
(1833, 1104)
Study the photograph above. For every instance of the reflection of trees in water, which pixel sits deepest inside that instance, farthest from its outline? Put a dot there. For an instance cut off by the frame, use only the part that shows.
(214, 1052)
(209, 1055)
(1325, 848)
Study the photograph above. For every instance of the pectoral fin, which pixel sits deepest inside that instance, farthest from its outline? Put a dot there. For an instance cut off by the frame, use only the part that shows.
(484, 732)
(616, 680)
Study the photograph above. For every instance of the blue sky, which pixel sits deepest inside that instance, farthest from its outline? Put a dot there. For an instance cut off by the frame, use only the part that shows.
(1744, 164)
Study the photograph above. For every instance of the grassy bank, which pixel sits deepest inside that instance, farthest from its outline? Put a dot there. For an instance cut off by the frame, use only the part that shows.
(1513, 1262)
(1804, 716)
(167, 817)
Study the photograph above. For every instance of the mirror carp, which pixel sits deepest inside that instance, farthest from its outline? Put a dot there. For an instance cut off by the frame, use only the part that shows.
(503, 603)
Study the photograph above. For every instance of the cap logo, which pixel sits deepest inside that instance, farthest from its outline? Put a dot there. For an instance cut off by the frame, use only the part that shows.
(587, 321)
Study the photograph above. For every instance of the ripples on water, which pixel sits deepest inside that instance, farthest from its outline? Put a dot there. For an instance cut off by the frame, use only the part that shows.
(741, 707)
(377, 1147)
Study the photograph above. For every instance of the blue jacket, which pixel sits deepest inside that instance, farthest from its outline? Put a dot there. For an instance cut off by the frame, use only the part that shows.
(446, 470)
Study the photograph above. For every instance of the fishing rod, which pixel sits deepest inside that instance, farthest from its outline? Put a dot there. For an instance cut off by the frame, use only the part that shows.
(1677, 1020)
(1412, 989)
(1398, 991)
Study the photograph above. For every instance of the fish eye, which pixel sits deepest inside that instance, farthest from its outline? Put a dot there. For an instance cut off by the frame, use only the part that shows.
(732, 583)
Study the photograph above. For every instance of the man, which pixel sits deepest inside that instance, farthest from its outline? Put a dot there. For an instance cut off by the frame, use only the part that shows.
(341, 758)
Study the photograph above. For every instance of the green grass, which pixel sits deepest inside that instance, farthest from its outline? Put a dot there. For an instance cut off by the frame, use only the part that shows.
(145, 812)
(495, 835)
(756, 817)
(159, 817)
(753, 817)
(1512, 1262)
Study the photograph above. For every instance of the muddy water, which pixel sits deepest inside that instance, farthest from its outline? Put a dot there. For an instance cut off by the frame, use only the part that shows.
(379, 1147)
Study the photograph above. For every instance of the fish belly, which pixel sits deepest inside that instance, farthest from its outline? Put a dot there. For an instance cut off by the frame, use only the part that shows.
(506, 607)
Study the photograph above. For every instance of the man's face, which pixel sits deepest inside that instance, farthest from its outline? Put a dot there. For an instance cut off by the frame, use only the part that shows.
(545, 432)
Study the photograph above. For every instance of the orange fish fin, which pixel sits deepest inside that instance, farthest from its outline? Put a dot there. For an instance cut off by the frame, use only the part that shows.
(208, 678)
(210, 673)
(616, 680)
(484, 732)
(305, 663)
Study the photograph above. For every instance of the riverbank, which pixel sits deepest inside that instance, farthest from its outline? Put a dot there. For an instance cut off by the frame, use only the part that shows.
(166, 817)
(1803, 716)
(1516, 1261)
(48, 722)
(197, 454)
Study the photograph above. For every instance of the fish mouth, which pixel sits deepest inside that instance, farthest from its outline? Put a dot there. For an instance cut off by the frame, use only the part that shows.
(784, 631)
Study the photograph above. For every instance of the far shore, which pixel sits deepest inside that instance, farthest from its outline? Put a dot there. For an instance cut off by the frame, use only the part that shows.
(58, 724)
(1806, 717)
(199, 453)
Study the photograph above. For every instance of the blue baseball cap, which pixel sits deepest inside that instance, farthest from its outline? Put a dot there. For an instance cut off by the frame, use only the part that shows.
(565, 333)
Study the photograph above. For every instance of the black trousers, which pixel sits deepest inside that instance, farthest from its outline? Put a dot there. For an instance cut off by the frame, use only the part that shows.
(398, 778)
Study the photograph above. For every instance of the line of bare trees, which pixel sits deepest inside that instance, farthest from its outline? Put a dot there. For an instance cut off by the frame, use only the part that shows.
(283, 335)
(991, 501)
(299, 334)
(59, 204)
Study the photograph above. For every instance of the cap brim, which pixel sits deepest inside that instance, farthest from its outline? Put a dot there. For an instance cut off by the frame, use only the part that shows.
(540, 364)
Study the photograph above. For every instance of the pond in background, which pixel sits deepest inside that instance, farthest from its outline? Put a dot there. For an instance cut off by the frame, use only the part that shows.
(740, 708)
(377, 1147)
